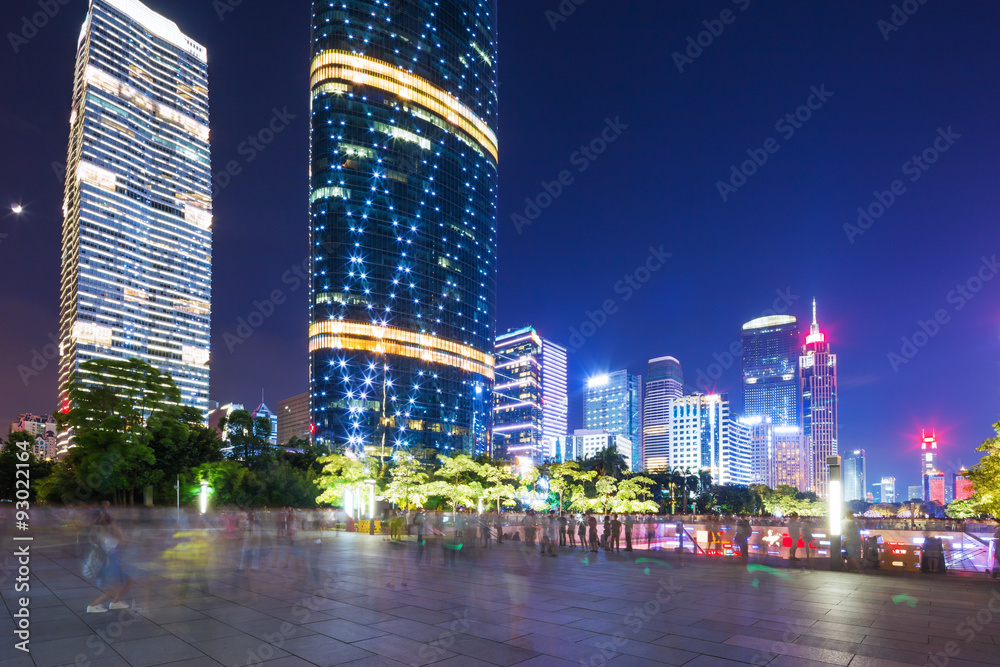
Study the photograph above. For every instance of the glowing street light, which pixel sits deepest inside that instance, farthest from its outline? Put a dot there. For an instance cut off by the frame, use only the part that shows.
(836, 505)
(16, 209)
(203, 497)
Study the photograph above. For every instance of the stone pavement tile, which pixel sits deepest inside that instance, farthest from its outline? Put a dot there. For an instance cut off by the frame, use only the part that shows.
(911, 657)
(490, 651)
(195, 662)
(710, 661)
(53, 613)
(614, 625)
(537, 661)
(749, 631)
(176, 614)
(551, 646)
(789, 631)
(58, 629)
(324, 651)
(200, 630)
(662, 654)
(789, 661)
(299, 614)
(793, 650)
(420, 632)
(274, 630)
(712, 648)
(241, 649)
(235, 614)
(287, 661)
(566, 633)
(128, 630)
(65, 651)
(406, 650)
(422, 615)
(364, 616)
(691, 631)
(155, 651)
(865, 661)
(345, 631)
(425, 603)
(498, 633)
(377, 661)
(566, 616)
(206, 602)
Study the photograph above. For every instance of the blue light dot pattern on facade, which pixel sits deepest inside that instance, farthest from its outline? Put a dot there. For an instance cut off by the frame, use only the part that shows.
(403, 203)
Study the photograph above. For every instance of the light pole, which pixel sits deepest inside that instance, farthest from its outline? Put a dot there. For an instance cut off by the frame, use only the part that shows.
(371, 506)
(836, 500)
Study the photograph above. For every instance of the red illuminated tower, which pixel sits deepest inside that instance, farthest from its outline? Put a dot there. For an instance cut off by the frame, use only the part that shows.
(931, 478)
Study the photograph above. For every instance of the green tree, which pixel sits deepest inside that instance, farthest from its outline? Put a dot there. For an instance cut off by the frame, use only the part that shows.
(634, 495)
(985, 475)
(499, 480)
(18, 450)
(340, 472)
(248, 437)
(408, 479)
(607, 461)
(110, 404)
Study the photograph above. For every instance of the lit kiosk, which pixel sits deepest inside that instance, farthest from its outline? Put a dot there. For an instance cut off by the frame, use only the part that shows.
(835, 500)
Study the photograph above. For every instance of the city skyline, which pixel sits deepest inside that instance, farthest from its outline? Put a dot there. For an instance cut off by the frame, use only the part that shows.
(680, 310)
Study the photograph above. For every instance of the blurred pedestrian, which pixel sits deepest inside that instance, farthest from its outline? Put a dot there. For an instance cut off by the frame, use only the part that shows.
(106, 537)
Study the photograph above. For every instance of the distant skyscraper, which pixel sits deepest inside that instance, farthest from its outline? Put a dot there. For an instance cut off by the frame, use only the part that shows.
(403, 206)
(854, 475)
(700, 439)
(888, 490)
(264, 411)
(664, 384)
(585, 443)
(928, 452)
(819, 405)
(934, 490)
(790, 464)
(613, 403)
(529, 400)
(964, 488)
(770, 369)
(137, 209)
(737, 456)
(914, 492)
(761, 448)
(293, 419)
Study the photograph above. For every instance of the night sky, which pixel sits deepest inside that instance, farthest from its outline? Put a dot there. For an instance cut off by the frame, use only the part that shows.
(780, 235)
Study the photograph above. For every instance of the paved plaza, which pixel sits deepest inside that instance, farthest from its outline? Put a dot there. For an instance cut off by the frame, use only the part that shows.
(503, 606)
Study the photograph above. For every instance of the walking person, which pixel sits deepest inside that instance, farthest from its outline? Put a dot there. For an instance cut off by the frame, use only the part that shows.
(571, 530)
(592, 526)
(606, 533)
(562, 529)
(616, 529)
(852, 544)
(106, 537)
(742, 538)
(250, 549)
(794, 532)
(807, 538)
(650, 531)
(581, 532)
(629, 523)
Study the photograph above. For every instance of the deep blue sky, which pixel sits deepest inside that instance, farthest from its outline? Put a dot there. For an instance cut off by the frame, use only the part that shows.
(655, 185)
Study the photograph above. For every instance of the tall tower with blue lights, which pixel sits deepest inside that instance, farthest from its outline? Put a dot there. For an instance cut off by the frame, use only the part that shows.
(403, 204)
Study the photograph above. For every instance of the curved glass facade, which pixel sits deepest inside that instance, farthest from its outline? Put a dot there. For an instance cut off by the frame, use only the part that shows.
(403, 204)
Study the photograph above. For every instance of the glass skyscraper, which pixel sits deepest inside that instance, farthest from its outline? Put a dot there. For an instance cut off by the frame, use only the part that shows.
(770, 369)
(613, 403)
(403, 205)
(854, 474)
(664, 385)
(529, 400)
(137, 226)
(819, 405)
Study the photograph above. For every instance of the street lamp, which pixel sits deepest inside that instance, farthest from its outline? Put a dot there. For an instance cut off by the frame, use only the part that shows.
(203, 497)
(371, 505)
(836, 503)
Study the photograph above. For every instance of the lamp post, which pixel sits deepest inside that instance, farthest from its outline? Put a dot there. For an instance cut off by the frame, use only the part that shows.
(835, 497)
(203, 497)
(371, 506)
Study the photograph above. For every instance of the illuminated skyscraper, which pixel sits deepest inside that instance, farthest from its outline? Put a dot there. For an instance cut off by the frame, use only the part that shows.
(529, 399)
(964, 488)
(700, 439)
(887, 493)
(928, 452)
(403, 205)
(770, 369)
(664, 384)
(790, 464)
(819, 404)
(613, 403)
(137, 213)
(854, 475)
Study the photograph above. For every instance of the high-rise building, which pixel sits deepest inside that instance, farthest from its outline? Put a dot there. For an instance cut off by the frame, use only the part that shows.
(293, 419)
(43, 428)
(770, 369)
(700, 439)
(790, 464)
(265, 412)
(137, 212)
(854, 473)
(585, 443)
(529, 398)
(664, 384)
(964, 488)
(737, 457)
(761, 448)
(934, 490)
(613, 403)
(888, 490)
(403, 205)
(818, 390)
(928, 452)
(915, 492)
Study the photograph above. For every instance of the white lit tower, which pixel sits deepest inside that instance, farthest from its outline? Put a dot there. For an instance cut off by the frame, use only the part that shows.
(818, 391)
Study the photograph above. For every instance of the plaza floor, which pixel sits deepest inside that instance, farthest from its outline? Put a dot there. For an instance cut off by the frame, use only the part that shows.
(503, 606)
